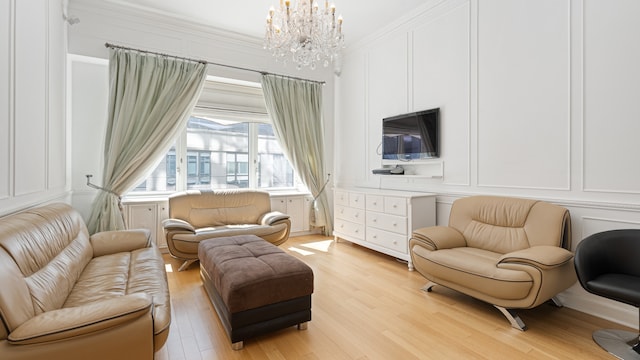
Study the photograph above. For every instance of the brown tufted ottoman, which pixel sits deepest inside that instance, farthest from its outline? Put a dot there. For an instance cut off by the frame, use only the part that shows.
(254, 286)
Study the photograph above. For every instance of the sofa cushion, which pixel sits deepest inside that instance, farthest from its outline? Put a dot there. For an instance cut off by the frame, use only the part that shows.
(221, 207)
(188, 243)
(125, 273)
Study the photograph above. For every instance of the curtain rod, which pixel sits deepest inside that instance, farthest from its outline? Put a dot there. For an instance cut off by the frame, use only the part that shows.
(109, 45)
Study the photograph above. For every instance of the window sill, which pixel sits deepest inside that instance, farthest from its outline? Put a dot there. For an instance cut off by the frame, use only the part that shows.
(164, 196)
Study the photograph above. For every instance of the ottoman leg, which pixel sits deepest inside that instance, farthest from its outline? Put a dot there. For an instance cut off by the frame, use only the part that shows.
(303, 326)
(237, 345)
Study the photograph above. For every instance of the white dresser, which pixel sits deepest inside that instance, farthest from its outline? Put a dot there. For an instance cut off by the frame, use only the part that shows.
(382, 220)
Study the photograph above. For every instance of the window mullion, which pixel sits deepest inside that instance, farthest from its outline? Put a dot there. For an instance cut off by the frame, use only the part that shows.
(253, 155)
(181, 161)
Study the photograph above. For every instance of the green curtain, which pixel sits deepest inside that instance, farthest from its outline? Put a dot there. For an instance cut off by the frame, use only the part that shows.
(295, 108)
(150, 100)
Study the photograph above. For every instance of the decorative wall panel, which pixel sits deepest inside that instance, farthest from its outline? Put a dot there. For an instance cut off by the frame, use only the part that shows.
(5, 97)
(441, 52)
(611, 94)
(386, 89)
(30, 124)
(523, 94)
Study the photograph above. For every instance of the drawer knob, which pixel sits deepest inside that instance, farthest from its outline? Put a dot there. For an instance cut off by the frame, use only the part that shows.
(374, 220)
(395, 224)
(395, 242)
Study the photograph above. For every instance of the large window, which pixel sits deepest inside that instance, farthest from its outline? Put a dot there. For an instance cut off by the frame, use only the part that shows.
(216, 154)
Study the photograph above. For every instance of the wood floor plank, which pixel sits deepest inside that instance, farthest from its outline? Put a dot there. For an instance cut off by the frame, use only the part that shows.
(367, 305)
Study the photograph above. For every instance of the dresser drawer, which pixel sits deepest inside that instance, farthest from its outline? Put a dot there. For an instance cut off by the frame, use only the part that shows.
(389, 240)
(341, 198)
(375, 203)
(347, 228)
(396, 224)
(395, 205)
(350, 214)
(357, 200)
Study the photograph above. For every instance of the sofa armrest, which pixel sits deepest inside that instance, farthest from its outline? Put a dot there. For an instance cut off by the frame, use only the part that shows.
(543, 257)
(272, 217)
(61, 324)
(177, 224)
(112, 242)
(439, 237)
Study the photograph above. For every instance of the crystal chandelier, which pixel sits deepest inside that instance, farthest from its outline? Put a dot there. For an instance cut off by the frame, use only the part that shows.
(304, 33)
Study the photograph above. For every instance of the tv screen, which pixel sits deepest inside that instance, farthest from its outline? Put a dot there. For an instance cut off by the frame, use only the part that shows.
(412, 136)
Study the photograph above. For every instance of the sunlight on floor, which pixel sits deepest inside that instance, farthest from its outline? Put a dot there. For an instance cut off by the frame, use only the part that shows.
(320, 245)
(168, 268)
(323, 246)
(300, 251)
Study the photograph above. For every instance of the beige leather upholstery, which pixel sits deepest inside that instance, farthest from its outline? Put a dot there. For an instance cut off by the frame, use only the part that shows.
(510, 252)
(196, 215)
(68, 295)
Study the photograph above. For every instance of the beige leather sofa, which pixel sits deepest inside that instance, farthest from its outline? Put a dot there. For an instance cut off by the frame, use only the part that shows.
(67, 295)
(512, 253)
(196, 215)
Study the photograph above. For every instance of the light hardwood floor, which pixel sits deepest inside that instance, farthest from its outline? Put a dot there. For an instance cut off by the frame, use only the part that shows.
(369, 306)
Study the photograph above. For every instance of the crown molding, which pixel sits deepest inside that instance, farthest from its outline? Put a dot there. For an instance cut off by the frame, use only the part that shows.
(172, 22)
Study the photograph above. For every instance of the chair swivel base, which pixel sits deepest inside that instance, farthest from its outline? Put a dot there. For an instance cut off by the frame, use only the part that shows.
(618, 343)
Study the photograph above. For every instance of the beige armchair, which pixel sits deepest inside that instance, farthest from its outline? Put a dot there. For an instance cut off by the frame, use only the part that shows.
(512, 253)
(196, 215)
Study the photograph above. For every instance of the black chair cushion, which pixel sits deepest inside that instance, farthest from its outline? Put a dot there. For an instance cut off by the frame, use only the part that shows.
(620, 287)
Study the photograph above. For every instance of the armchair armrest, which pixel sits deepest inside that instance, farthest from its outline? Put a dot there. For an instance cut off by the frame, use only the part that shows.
(71, 322)
(177, 224)
(439, 237)
(111, 242)
(543, 257)
(272, 217)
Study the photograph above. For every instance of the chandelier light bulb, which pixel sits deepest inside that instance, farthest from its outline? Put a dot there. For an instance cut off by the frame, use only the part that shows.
(303, 34)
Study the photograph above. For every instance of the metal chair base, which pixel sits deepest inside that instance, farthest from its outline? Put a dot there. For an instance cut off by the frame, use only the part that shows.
(619, 343)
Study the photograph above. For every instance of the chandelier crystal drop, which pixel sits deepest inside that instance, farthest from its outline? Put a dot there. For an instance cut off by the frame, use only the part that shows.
(304, 34)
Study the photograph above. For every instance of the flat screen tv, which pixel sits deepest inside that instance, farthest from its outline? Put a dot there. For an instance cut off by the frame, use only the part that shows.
(411, 137)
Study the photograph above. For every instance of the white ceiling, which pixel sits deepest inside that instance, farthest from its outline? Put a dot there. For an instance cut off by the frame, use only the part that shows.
(361, 17)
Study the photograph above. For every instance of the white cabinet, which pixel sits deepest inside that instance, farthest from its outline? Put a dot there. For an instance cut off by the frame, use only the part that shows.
(297, 207)
(148, 215)
(382, 220)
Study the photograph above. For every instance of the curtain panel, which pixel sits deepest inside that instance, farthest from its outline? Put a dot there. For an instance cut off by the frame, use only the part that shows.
(295, 108)
(150, 100)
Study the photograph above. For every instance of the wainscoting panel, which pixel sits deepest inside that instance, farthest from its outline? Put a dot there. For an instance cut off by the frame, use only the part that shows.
(523, 94)
(30, 117)
(441, 66)
(611, 82)
(6, 41)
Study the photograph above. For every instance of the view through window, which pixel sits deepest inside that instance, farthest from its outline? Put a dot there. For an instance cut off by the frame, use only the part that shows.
(219, 155)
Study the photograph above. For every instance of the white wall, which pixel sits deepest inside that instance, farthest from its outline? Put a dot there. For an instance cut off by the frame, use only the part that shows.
(538, 99)
(33, 130)
(102, 22)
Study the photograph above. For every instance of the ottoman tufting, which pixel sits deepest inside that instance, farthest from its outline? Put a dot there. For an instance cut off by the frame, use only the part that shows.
(254, 286)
